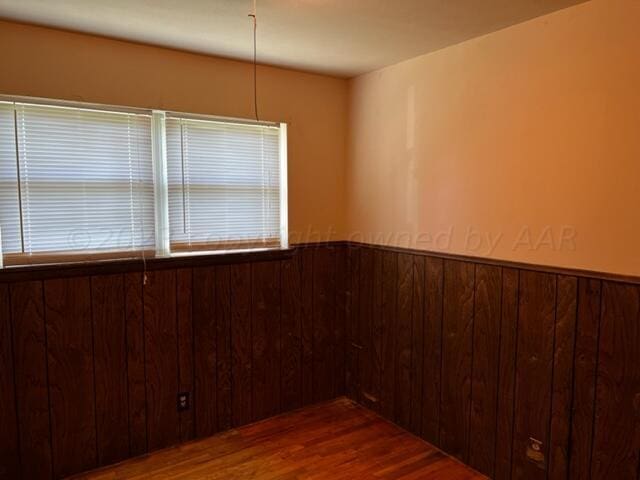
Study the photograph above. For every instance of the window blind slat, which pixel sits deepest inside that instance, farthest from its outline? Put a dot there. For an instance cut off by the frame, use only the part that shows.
(224, 183)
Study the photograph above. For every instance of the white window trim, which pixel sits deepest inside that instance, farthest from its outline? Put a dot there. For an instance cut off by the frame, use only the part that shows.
(160, 183)
(160, 178)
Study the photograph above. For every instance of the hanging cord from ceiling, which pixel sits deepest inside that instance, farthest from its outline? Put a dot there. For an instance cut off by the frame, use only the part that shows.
(253, 16)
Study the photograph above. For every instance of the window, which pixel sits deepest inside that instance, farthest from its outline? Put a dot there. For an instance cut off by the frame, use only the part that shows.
(79, 183)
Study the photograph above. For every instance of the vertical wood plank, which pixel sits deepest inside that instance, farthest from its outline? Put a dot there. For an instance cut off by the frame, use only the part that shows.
(307, 324)
(365, 319)
(265, 328)
(110, 358)
(223, 349)
(388, 309)
(291, 365)
(9, 454)
(241, 343)
(31, 377)
(377, 332)
(339, 327)
(71, 374)
(566, 306)
(161, 347)
(184, 297)
(324, 312)
(507, 373)
(616, 447)
(403, 340)
(484, 387)
(534, 366)
(434, 278)
(204, 334)
(584, 382)
(457, 344)
(417, 343)
(136, 375)
(353, 333)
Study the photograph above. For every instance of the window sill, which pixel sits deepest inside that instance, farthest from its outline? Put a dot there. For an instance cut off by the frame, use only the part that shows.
(114, 266)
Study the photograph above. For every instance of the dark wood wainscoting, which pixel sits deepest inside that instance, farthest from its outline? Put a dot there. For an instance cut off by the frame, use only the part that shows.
(91, 364)
(522, 373)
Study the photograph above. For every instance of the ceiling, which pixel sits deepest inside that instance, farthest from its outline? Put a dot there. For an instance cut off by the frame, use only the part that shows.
(338, 37)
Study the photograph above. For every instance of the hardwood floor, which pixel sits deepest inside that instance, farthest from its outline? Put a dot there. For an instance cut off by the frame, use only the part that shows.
(334, 440)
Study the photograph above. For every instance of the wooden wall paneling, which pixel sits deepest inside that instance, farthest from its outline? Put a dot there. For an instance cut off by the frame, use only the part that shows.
(434, 278)
(9, 452)
(417, 343)
(71, 374)
(110, 359)
(186, 372)
(534, 365)
(377, 332)
(265, 328)
(562, 387)
(324, 312)
(457, 346)
(205, 353)
(241, 343)
(136, 374)
(352, 359)
(339, 325)
(161, 347)
(291, 342)
(223, 347)
(306, 265)
(31, 377)
(366, 361)
(506, 373)
(584, 380)
(388, 308)
(404, 340)
(486, 352)
(616, 447)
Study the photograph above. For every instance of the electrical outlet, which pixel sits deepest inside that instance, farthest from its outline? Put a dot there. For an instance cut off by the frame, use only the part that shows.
(183, 401)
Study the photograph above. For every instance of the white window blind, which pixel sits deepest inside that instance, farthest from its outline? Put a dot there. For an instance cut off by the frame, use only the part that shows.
(224, 184)
(80, 182)
(9, 201)
(84, 181)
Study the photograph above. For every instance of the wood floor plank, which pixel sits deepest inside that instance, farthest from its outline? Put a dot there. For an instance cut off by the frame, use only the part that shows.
(338, 440)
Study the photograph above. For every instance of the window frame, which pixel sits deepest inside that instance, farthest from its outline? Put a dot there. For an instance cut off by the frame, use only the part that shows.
(160, 191)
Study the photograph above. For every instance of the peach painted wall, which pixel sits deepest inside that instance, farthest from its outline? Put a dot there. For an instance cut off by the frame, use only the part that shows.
(51, 63)
(522, 145)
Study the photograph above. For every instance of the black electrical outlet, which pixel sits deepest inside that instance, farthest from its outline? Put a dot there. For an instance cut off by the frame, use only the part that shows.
(183, 401)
